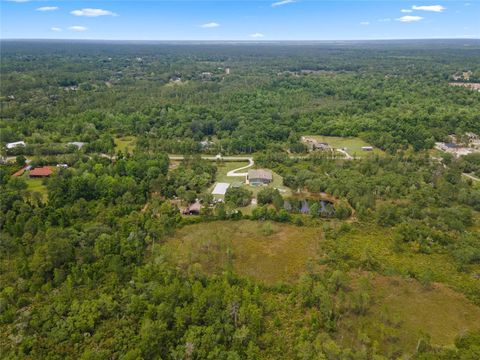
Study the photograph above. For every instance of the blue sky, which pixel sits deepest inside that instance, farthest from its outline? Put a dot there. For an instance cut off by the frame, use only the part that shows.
(239, 20)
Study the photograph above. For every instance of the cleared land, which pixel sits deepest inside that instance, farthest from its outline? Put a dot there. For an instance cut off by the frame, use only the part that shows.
(404, 310)
(224, 167)
(36, 185)
(401, 309)
(264, 251)
(352, 144)
(125, 144)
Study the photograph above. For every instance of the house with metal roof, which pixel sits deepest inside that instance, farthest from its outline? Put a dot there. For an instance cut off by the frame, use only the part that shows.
(259, 177)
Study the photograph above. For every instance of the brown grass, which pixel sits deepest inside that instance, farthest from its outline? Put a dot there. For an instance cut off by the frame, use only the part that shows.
(264, 251)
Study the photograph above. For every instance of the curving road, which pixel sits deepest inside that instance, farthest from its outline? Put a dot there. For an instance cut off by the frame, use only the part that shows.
(243, 174)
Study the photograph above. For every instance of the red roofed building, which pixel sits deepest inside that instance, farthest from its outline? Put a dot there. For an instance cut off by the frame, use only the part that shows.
(44, 171)
(19, 172)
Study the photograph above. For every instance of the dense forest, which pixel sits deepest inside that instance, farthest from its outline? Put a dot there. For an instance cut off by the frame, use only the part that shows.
(91, 261)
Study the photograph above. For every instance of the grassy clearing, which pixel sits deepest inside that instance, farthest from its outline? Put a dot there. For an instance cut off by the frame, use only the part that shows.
(353, 145)
(125, 144)
(404, 311)
(375, 245)
(36, 185)
(264, 251)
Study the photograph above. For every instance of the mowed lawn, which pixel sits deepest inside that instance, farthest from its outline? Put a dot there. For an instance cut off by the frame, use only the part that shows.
(265, 251)
(352, 144)
(36, 185)
(224, 167)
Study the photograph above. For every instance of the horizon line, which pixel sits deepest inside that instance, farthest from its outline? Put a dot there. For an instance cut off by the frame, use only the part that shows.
(242, 40)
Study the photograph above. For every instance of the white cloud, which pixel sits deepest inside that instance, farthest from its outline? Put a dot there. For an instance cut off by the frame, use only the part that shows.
(47, 8)
(434, 8)
(365, 23)
(406, 10)
(210, 25)
(283, 2)
(55, 28)
(92, 12)
(19, 1)
(78, 28)
(409, 18)
(257, 35)
(385, 20)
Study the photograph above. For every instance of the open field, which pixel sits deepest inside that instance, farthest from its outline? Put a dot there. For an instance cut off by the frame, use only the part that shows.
(404, 311)
(352, 144)
(264, 251)
(126, 143)
(36, 185)
(401, 311)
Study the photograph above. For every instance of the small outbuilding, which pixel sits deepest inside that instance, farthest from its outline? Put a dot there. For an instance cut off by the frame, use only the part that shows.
(259, 177)
(193, 209)
(19, 172)
(220, 189)
(78, 144)
(367, 148)
(40, 172)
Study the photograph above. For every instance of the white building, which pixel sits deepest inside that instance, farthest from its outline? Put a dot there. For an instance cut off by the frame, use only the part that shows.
(15, 144)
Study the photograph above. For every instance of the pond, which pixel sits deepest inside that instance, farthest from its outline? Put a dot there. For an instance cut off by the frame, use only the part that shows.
(309, 206)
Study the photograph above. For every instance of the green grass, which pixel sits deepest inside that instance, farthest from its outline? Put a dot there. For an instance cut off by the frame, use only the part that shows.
(36, 185)
(353, 144)
(402, 309)
(125, 144)
(224, 167)
(377, 245)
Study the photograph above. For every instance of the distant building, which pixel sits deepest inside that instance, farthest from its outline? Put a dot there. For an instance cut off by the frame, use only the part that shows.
(367, 148)
(19, 172)
(259, 177)
(320, 146)
(315, 144)
(78, 144)
(206, 75)
(193, 209)
(62, 166)
(44, 171)
(227, 71)
(15, 144)
(206, 143)
(220, 189)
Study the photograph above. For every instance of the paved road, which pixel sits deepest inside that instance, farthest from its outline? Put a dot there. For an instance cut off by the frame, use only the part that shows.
(243, 174)
(471, 177)
(347, 155)
(209, 157)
